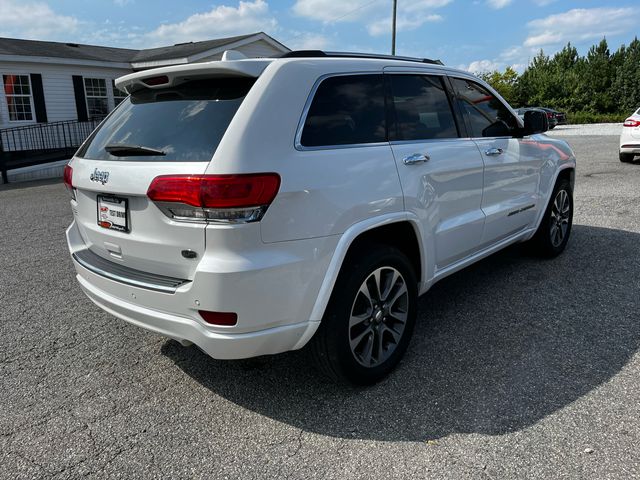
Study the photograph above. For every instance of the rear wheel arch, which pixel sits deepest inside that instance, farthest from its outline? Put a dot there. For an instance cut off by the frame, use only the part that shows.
(402, 235)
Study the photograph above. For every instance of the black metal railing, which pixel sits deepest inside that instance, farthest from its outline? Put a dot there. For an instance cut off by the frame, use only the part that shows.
(42, 143)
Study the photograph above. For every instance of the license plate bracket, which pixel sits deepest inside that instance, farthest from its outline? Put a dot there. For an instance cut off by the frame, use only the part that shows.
(113, 213)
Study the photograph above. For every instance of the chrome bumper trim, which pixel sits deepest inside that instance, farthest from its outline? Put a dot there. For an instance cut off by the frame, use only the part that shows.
(129, 276)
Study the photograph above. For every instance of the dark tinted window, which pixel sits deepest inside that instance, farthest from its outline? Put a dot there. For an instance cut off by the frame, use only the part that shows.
(488, 116)
(186, 122)
(422, 108)
(346, 110)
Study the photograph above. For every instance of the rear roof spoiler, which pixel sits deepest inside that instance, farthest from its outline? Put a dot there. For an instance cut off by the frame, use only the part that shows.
(177, 74)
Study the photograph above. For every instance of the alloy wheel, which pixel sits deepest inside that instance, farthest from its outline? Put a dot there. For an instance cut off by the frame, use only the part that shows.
(378, 316)
(560, 216)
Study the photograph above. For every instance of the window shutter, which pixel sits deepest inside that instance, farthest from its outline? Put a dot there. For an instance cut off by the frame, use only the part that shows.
(38, 98)
(81, 103)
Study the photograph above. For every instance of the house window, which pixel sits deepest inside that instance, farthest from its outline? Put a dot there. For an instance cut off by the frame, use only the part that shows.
(17, 90)
(96, 92)
(118, 95)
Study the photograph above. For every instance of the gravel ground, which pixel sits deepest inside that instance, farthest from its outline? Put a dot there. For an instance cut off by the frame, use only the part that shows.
(594, 129)
(519, 368)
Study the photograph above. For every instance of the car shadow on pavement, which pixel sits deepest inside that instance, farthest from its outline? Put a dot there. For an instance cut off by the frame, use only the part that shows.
(498, 346)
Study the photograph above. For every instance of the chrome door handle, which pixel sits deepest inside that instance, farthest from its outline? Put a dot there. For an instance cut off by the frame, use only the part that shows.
(416, 158)
(494, 151)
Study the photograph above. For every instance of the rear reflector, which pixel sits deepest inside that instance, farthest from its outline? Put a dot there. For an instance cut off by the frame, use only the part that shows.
(226, 319)
(631, 122)
(226, 198)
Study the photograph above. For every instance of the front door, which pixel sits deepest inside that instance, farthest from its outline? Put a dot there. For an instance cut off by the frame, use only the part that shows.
(440, 173)
(512, 165)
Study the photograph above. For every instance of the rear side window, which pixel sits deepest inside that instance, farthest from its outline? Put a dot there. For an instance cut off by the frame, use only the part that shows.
(488, 116)
(185, 122)
(422, 108)
(346, 110)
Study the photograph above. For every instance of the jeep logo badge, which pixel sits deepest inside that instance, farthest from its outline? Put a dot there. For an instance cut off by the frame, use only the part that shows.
(98, 176)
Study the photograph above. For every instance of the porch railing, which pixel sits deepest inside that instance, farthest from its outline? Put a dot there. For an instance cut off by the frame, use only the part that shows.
(42, 143)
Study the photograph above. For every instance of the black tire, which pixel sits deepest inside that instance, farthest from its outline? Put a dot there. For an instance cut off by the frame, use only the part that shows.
(331, 345)
(626, 157)
(545, 241)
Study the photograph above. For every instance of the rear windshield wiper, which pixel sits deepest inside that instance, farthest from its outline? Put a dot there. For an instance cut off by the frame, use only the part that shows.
(122, 150)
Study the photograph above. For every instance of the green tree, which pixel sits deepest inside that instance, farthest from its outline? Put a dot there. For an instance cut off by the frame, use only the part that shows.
(625, 89)
(503, 82)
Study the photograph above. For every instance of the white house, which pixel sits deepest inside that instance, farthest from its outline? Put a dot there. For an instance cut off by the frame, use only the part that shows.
(50, 81)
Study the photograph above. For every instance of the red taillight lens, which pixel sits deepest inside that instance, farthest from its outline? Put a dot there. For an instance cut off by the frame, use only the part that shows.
(67, 178)
(225, 319)
(238, 191)
(216, 191)
(176, 188)
(631, 122)
(549, 115)
(226, 198)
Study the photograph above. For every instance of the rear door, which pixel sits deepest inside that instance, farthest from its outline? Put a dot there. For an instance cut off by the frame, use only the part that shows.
(512, 165)
(440, 172)
(153, 132)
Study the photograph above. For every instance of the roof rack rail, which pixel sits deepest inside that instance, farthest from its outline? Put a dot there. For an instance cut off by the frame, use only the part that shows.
(320, 53)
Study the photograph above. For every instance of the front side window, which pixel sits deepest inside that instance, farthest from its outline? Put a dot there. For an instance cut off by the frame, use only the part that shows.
(488, 116)
(96, 92)
(118, 95)
(346, 110)
(17, 90)
(422, 108)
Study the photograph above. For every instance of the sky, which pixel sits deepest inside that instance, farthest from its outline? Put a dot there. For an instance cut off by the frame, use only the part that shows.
(478, 35)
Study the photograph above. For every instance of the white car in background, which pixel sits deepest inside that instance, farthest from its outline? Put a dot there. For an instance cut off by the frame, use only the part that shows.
(630, 138)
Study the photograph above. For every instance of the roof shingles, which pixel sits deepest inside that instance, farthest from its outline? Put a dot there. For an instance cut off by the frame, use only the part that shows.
(15, 46)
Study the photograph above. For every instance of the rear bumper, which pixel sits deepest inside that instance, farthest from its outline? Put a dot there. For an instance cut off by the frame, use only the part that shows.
(273, 299)
(217, 345)
(631, 147)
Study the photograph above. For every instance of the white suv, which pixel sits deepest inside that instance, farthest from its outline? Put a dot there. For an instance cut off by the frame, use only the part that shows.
(253, 206)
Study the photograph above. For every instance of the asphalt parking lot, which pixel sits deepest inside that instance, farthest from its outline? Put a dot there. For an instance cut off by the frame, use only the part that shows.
(519, 368)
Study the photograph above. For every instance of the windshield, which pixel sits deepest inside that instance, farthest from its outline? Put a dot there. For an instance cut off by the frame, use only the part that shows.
(177, 124)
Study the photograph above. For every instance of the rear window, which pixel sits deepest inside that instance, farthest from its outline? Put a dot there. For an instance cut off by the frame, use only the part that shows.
(346, 110)
(185, 122)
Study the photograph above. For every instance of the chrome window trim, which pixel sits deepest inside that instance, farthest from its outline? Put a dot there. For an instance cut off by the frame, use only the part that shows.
(305, 111)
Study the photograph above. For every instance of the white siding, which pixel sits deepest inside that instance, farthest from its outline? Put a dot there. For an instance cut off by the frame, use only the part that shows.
(57, 84)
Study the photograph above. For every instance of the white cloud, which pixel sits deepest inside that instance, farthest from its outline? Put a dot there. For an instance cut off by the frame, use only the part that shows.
(412, 14)
(247, 17)
(581, 24)
(383, 26)
(480, 66)
(309, 41)
(34, 20)
(498, 4)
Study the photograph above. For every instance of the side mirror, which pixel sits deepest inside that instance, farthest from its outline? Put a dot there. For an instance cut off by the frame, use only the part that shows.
(535, 121)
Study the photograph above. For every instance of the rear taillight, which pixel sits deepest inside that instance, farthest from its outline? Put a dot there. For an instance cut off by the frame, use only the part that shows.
(216, 198)
(67, 178)
(550, 115)
(226, 319)
(631, 122)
